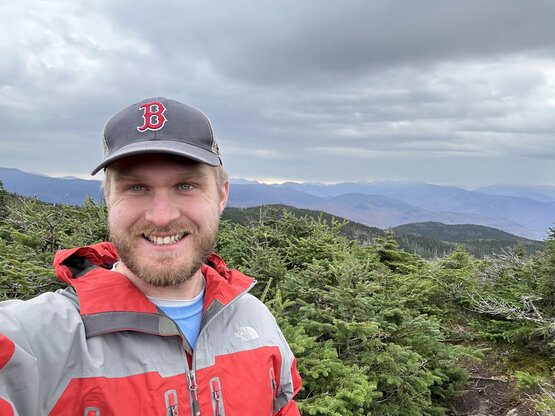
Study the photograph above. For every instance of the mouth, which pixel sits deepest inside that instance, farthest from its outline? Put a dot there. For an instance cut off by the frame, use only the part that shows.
(166, 240)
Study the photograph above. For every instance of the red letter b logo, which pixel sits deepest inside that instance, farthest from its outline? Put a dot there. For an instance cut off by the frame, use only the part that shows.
(153, 116)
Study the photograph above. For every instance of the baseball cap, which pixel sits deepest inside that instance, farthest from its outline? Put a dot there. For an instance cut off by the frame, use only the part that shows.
(159, 125)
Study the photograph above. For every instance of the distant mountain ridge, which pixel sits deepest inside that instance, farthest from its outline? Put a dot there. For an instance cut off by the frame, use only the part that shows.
(527, 212)
(428, 240)
(457, 233)
(71, 191)
(538, 193)
(389, 204)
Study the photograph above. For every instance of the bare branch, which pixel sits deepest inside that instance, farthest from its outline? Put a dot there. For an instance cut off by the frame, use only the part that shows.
(491, 306)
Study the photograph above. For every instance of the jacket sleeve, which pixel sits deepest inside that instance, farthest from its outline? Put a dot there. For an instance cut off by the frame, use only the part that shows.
(7, 349)
(290, 380)
(290, 409)
(19, 376)
(291, 383)
(33, 350)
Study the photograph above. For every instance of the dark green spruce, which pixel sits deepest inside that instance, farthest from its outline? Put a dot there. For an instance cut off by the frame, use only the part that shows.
(377, 329)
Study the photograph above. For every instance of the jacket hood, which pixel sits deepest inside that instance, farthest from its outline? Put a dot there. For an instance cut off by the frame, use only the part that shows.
(88, 271)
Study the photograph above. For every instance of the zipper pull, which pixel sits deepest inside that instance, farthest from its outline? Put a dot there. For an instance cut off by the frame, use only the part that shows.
(193, 388)
(171, 403)
(217, 396)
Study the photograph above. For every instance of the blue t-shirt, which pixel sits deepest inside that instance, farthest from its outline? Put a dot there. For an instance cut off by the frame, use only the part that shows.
(186, 313)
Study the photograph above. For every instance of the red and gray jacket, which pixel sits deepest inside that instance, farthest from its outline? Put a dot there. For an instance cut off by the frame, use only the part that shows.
(101, 348)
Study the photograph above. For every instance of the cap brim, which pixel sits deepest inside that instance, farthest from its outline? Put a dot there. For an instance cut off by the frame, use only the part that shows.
(162, 146)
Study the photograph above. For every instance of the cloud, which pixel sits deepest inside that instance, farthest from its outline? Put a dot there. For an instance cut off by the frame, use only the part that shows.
(288, 85)
(270, 43)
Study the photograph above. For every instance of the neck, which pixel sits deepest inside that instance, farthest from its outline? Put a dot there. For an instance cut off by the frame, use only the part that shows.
(184, 291)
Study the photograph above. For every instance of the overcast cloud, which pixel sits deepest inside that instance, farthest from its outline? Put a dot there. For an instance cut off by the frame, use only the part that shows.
(445, 91)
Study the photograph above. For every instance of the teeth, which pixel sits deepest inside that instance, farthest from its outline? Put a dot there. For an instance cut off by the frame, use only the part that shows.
(165, 240)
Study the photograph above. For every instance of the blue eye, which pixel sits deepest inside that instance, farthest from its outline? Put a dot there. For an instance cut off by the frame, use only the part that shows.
(136, 188)
(185, 186)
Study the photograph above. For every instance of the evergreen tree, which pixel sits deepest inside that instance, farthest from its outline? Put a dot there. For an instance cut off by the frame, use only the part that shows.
(546, 271)
(375, 329)
(3, 202)
(352, 315)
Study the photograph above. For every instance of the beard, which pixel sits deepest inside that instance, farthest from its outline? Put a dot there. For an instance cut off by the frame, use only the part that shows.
(170, 268)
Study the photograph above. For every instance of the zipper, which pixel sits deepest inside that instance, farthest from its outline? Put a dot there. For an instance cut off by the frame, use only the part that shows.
(171, 403)
(193, 391)
(92, 411)
(171, 395)
(191, 376)
(217, 401)
(193, 387)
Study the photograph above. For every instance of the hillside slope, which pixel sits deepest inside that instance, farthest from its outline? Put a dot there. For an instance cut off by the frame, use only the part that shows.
(412, 238)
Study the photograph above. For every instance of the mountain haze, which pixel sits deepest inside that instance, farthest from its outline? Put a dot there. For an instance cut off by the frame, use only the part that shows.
(71, 191)
(529, 213)
(537, 193)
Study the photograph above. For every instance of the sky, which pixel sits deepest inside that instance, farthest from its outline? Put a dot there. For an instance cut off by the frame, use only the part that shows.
(446, 91)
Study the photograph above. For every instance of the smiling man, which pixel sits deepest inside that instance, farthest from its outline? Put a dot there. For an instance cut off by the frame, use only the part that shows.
(152, 323)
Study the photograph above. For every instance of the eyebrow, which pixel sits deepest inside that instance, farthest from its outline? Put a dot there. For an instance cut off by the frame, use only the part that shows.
(125, 176)
(197, 175)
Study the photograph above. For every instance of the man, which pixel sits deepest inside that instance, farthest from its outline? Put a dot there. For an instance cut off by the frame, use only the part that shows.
(152, 323)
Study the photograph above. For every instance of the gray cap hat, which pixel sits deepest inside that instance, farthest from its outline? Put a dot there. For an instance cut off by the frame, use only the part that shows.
(159, 125)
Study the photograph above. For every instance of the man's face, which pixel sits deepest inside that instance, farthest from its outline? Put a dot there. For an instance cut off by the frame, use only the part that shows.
(163, 215)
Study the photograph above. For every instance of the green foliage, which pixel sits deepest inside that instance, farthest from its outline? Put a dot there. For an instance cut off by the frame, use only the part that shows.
(479, 240)
(526, 381)
(546, 272)
(32, 232)
(3, 201)
(376, 329)
(354, 316)
(546, 405)
(538, 388)
(428, 240)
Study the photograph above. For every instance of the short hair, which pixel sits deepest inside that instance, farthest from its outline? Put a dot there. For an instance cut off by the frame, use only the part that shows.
(221, 176)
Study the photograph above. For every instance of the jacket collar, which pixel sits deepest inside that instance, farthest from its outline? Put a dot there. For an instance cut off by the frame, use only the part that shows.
(100, 290)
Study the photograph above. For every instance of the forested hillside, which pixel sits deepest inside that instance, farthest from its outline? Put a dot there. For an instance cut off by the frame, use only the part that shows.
(376, 330)
(428, 239)
(479, 240)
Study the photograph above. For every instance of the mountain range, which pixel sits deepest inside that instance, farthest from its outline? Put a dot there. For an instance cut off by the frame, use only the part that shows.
(523, 211)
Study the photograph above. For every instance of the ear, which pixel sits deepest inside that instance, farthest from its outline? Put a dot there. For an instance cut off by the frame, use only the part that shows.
(105, 194)
(106, 191)
(223, 195)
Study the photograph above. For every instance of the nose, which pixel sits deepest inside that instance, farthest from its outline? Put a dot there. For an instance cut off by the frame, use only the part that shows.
(162, 210)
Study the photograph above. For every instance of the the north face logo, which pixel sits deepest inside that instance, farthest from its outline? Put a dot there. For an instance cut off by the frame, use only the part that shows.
(153, 116)
(246, 333)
